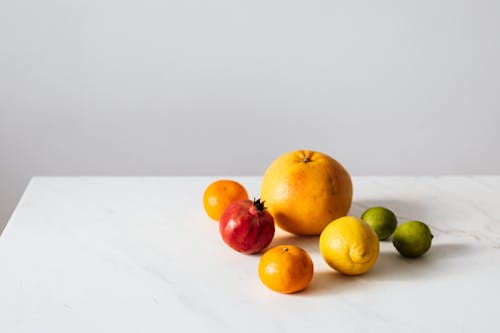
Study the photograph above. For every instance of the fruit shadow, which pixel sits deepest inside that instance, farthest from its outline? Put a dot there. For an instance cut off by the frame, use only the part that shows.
(437, 261)
(391, 266)
(328, 281)
(404, 210)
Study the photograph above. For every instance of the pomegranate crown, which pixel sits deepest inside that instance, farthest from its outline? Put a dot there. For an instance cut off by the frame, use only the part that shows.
(259, 205)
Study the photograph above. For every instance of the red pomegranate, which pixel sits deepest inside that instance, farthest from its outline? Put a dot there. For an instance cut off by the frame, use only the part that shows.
(247, 226)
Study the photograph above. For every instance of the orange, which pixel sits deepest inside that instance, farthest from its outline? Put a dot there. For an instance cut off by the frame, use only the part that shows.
(305, 190)
(220, 194)
(286, 269)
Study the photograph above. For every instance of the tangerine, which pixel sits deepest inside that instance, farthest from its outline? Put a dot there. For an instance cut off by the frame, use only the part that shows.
(286, 269)
(219, 194)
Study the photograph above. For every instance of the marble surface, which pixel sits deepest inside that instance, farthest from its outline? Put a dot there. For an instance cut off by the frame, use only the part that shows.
(139, 255)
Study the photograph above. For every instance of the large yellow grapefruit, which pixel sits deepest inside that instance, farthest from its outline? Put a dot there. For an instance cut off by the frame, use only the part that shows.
(305, 190)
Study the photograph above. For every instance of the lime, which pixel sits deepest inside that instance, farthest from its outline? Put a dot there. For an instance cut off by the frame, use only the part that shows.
(412, 239)
(382, 220)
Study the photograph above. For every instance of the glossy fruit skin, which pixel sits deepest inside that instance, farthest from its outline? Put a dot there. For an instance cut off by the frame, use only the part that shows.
(305, 190)
(219, 194)
(349, 245)
(286, 269)
(245, 227)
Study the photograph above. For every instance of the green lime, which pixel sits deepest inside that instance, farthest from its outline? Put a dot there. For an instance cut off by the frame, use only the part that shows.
(382, 220)
(412, 239)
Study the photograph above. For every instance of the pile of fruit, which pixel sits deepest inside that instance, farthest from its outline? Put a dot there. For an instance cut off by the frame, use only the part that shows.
(307, 193)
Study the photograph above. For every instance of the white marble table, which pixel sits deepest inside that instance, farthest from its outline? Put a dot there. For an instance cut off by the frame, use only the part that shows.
(139, 255)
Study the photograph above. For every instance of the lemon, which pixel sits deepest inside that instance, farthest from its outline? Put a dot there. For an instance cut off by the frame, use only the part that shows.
(349, 245)
(412, 239)
(382, 220)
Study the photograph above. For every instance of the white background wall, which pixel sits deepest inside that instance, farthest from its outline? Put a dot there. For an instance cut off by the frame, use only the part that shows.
(108, 87)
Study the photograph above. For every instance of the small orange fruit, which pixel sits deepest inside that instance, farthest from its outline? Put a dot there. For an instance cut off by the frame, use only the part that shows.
(220, 194)
(286, 269)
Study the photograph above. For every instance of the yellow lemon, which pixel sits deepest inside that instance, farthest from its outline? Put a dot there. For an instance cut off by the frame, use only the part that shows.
(349, 245)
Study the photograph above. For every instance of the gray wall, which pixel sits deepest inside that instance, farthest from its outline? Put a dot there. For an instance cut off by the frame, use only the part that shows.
(222, 87)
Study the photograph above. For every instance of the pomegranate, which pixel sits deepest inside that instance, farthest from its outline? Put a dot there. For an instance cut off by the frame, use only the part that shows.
(247, 226)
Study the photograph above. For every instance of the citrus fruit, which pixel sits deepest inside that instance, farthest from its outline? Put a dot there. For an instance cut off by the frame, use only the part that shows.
(286, 269)
(382, 220)
(219, 194)
(349, 245)
(412, 239)
(305, 190)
